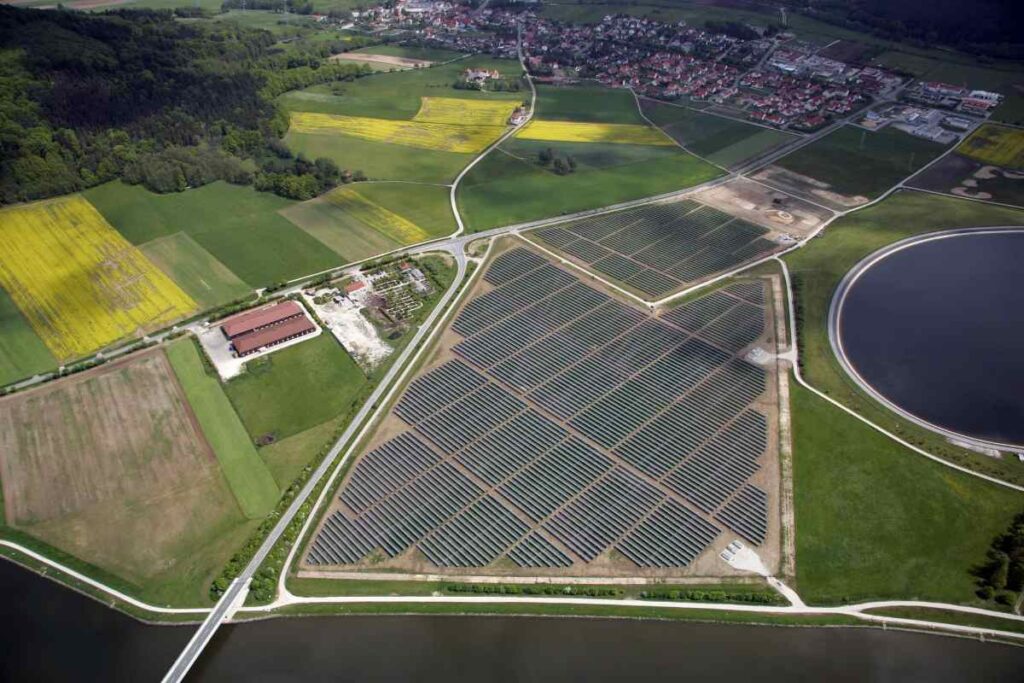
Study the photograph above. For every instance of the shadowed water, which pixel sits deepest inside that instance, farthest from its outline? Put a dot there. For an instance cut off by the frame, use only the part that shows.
(938, 329)
(54, 634)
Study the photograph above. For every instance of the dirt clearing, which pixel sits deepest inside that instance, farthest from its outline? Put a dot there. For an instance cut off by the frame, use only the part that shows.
(386, 60)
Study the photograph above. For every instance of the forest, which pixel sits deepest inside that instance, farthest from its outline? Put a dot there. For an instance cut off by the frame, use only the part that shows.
(138, 95)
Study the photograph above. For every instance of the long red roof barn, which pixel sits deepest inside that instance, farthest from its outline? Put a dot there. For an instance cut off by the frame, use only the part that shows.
(270, 336)
(257, 319)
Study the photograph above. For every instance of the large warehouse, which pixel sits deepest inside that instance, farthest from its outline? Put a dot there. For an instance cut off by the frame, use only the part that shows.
(258, 329)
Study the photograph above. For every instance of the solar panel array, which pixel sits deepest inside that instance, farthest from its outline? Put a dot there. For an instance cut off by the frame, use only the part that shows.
(657, 248)
(569, 425)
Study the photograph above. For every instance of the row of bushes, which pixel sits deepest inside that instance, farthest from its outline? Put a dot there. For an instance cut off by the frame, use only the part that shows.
(762, 598)
(533, 589)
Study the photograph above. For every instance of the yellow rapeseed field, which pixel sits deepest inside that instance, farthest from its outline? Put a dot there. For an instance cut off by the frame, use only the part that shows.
(377, 217)
(578, 131)
(78, 281)
(418, 134)
(996, 145)
(461, 112)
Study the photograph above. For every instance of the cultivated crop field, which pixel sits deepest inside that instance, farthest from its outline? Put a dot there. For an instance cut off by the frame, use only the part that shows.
(466, 139)
(578, 131)
(81, 285)
(851, 166)
(724, 141)
(366, 219)
(409, 125)
(238, 227)
(560, 430)
(996, 145)
(111, 466)
(456, 111)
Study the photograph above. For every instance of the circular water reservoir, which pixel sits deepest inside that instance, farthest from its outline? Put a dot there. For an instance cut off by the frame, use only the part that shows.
(934, 327)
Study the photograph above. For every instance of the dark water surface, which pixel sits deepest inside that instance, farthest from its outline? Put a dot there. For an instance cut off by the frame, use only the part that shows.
(54, 634)
(938, 329)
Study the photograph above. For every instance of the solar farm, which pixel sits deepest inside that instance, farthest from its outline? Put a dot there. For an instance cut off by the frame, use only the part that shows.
(557, 430)
(659, 248)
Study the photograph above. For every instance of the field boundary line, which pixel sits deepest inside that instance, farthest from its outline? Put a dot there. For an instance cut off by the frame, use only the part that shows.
(640, 110)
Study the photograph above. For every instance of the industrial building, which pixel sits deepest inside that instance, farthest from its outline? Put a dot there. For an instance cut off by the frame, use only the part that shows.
(258, 329)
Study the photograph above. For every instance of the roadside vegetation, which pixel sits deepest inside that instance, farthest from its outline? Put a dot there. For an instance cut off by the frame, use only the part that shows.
(821, 264)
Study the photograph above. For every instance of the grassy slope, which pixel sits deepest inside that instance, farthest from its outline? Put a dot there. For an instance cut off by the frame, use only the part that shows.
(887, 157)
(820, 265)
(237, 225)
(22, 352)
(296, 388)
(724, 141)
(950, 617)
(587, 103)
(248, 476)
(875, 520)
(502, 190)
(195, 270)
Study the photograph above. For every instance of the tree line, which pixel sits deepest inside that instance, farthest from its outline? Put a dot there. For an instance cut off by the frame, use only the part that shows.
(137, 95)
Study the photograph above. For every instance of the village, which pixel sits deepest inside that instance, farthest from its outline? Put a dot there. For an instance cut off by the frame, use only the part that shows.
(766, 76)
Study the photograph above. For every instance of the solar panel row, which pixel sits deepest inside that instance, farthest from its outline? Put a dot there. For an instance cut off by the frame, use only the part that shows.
(671, 405)
(657, 248)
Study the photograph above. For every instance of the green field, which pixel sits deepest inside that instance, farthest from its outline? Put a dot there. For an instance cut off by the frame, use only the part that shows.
(818, 267)
(726, 142)
(237, 225)
(595, 104)
(427, 206)
(397, 95)
(296, 388)
(287, 457)
(22, 352)
(208, 281)
(247, 475)
(875, 520)
(511, 187)
(856, 162)
(380, 160)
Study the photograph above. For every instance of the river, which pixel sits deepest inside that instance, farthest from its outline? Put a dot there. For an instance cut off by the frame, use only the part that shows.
(54, 634)
(937, 328)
